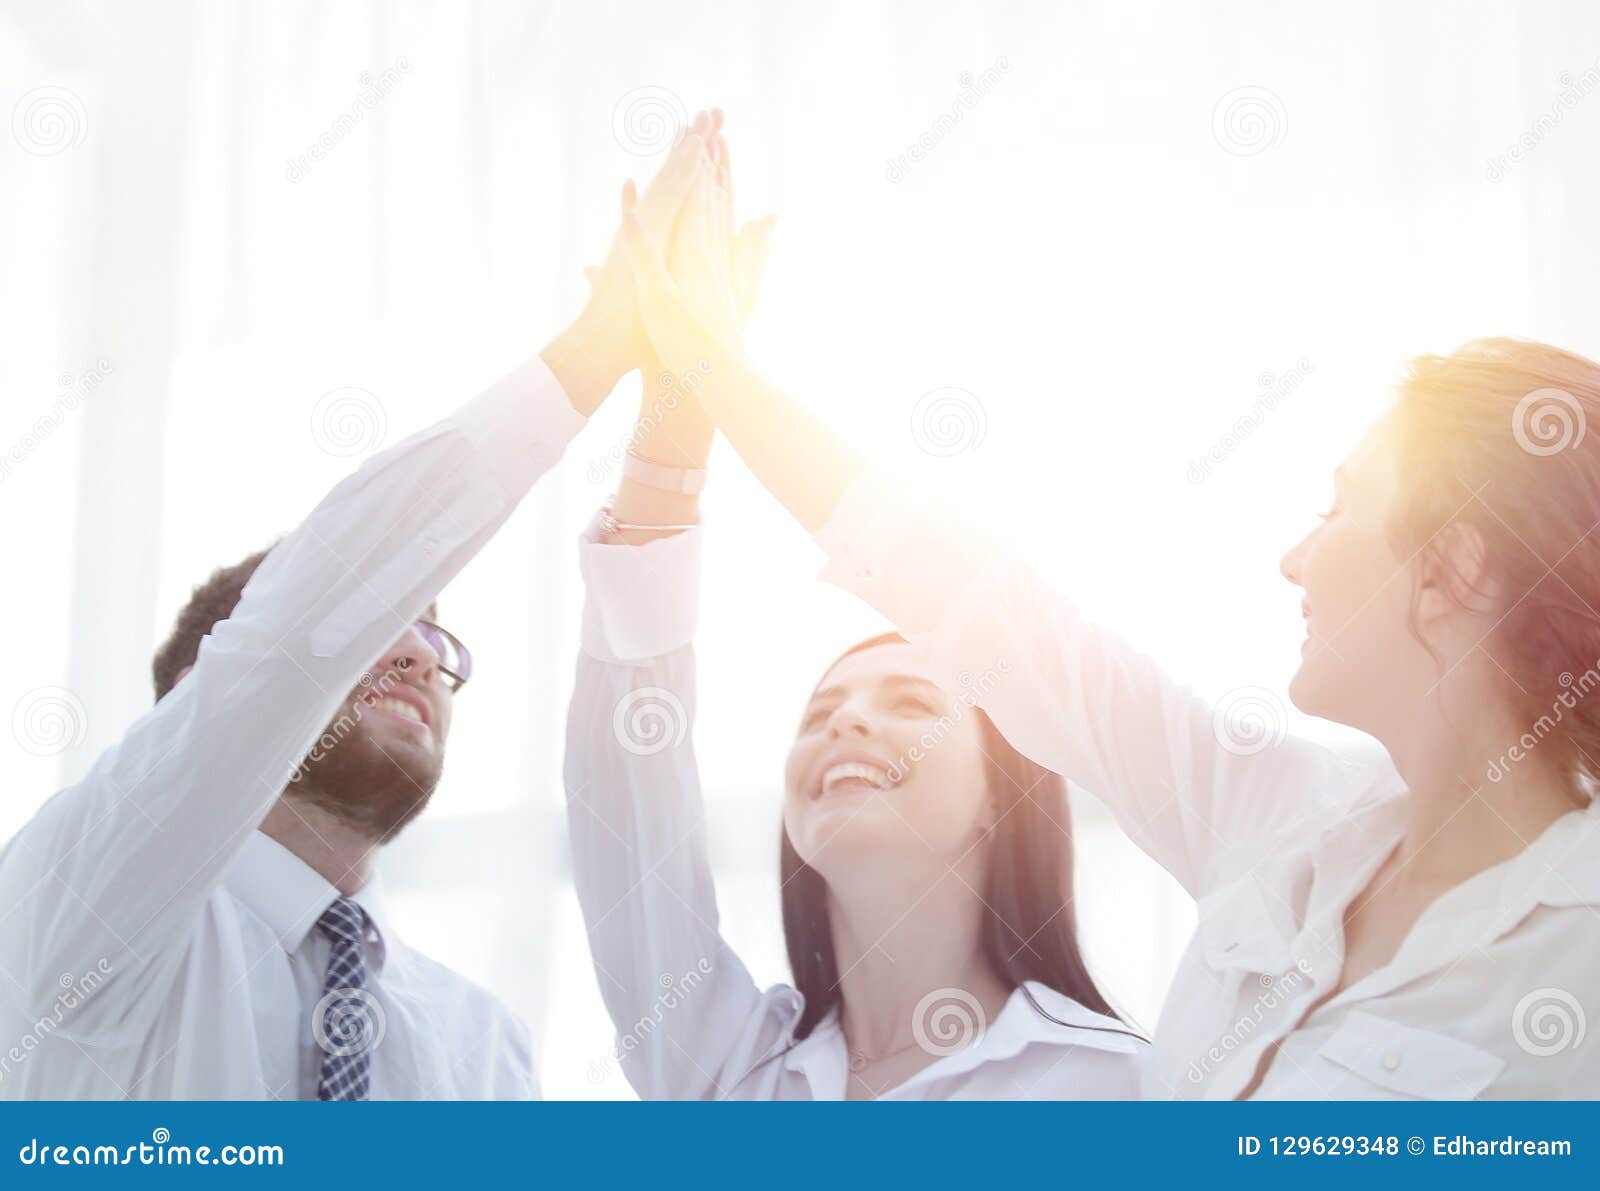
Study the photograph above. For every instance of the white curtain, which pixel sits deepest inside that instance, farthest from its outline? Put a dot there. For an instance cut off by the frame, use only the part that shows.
(1126, 278)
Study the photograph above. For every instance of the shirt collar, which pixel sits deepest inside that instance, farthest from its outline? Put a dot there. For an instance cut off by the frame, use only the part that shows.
(1018, 1025)
(289, 895)
(1562, 866)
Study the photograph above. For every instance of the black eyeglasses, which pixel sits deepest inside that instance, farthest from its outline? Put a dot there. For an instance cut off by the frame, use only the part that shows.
(455, 660)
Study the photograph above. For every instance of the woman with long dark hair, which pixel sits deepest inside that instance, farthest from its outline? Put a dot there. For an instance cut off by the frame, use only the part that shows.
(926, 864)
(1421, 927)
(926, 871)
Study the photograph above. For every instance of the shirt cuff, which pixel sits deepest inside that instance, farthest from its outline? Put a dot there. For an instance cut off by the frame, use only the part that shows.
(642, 601)
(520, 425)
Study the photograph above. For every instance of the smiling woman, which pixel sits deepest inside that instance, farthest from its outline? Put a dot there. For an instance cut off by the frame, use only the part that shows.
(926, 880)
(895, 785)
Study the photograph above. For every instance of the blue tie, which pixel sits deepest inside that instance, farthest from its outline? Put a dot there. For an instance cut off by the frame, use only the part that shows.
(348, 1021)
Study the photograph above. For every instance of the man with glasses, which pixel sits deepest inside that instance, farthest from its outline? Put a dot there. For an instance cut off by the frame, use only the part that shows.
(199, 917)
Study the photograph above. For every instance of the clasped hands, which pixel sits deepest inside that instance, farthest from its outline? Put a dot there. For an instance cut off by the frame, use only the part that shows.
(679, 282)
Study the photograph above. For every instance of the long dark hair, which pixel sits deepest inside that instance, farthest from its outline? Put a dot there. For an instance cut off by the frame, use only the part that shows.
(1029, 930)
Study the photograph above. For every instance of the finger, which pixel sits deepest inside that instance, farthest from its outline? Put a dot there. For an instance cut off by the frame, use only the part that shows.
(724, 187)
(666, 192)
(649, 270)
(695, 229)
(716, 119)
(750, 260)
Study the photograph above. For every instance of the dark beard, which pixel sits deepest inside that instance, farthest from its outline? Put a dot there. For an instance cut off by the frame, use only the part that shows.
(377, 791)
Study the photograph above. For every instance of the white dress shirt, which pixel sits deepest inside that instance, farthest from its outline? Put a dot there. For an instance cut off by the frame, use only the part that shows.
(1489, 995)
(154, 945)
(691, 1023)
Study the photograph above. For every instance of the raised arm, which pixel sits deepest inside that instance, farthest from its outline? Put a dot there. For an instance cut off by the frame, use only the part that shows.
(1194, 789)
(111, 873)
(690, 1021)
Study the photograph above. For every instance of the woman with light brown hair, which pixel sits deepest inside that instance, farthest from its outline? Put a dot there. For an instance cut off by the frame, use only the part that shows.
(1426, 927)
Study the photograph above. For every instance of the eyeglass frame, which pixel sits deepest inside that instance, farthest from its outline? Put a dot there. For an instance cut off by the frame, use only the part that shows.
(454, 680)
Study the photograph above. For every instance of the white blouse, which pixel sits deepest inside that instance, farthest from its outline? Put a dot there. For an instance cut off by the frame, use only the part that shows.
(691, 1023)
(1488, 995)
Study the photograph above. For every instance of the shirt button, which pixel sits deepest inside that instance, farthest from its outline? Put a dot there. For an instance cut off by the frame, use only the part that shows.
(1391, 1062)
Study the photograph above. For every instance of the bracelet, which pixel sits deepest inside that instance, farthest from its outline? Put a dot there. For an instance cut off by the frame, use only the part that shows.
(610, 525)
(686, 481)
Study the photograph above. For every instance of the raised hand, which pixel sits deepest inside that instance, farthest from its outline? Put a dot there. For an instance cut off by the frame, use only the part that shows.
(722, 272)
(612, 301)
(607, 340)
(693, 310)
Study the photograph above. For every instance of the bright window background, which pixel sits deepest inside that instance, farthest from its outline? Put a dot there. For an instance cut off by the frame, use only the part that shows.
(1091, 254)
